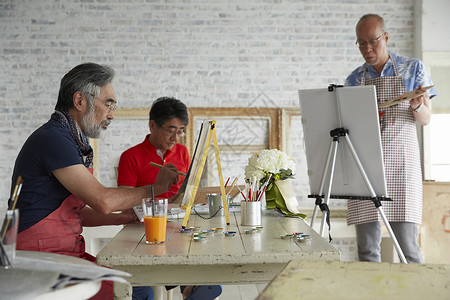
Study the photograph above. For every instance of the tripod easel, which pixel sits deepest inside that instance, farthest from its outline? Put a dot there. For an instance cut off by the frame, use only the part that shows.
(211, 135)
(330, 163)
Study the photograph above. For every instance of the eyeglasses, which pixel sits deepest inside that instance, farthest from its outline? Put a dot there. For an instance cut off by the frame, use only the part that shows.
(109, 103)
(173, 131)
(372, 42)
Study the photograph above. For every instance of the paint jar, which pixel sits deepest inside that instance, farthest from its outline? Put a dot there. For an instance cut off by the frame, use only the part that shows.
(215, 204)
(251, 213)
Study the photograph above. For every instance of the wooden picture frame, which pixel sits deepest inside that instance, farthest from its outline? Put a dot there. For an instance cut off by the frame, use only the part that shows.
(273, 115)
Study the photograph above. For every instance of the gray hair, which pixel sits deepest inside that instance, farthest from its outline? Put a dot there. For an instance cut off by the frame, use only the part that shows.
(87, 78)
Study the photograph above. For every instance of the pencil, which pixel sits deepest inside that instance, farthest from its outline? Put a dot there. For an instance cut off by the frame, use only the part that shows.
(241, 193)
(226, 183)
(160, 166)
(14, 197)
(232, 186)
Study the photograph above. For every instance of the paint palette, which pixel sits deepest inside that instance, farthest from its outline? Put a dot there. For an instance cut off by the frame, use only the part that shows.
(405, 97)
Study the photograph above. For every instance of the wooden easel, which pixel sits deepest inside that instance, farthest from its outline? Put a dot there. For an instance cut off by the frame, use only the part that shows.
(211, 135)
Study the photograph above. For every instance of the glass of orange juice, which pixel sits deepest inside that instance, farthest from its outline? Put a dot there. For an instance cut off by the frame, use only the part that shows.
(155, 220)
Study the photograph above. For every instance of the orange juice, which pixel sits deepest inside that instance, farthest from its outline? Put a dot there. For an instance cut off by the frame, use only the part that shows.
(155, 229)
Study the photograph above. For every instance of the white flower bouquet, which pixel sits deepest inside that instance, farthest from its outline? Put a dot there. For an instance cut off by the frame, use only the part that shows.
(266, 162)
(272, 168)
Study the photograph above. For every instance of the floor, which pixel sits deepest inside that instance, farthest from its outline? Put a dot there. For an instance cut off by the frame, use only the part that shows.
(231, 292)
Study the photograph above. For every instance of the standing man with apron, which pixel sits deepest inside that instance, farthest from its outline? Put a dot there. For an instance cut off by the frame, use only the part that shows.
(392, 75)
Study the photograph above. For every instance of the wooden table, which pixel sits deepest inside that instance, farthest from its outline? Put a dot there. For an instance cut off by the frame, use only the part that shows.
(35, 274)
(359, 280)
(244, 258)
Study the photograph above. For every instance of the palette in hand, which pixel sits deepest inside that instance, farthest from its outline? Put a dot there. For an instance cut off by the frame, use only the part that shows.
(405, 97)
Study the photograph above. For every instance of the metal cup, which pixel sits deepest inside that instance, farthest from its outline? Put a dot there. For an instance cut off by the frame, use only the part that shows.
(216, 205)
(251, 213)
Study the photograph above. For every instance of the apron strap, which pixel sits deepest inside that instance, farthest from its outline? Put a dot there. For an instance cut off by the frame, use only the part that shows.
(363, 77)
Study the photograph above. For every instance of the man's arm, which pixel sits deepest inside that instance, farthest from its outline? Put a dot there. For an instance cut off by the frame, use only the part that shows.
(421, 114)
(80, 182)
(92, 218)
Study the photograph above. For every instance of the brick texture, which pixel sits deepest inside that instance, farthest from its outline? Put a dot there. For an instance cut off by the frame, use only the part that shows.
(204, 52)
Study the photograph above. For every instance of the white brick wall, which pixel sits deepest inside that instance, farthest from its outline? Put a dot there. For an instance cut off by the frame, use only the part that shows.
(205, 52)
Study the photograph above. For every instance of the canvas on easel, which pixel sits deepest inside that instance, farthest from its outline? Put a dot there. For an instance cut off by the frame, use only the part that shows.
(330, 116)
(188, 183)
(353, 108)
(206, 135)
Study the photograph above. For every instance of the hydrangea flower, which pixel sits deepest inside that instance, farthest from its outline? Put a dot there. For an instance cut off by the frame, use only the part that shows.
(272, 161)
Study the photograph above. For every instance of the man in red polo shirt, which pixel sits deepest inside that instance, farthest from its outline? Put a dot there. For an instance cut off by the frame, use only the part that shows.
(168, 119)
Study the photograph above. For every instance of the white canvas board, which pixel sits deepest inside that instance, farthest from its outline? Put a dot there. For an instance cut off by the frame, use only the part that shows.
(353, 108)
(188, 185)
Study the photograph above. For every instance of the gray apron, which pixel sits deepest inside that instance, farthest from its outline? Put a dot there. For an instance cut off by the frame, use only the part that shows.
(401, 158)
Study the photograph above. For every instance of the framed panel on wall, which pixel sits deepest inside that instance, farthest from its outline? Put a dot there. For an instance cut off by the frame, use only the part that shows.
(240, 132)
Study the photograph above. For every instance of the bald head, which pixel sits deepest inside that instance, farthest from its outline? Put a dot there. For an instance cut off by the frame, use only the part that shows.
(372, 41)
(371, 18)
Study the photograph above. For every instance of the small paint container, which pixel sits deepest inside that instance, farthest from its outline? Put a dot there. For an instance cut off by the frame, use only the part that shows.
(303, 235)
(286, 236)
(200, 238)
(209, 231)
(230, 233)
(194, 228)
(259, 228)
(198, 234)
(297, 233)
(185, 230)
(216, 229)
(248, 231)
(305, 239)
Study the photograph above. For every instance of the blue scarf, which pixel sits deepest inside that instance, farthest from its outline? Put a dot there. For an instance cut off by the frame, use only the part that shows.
(84, 149)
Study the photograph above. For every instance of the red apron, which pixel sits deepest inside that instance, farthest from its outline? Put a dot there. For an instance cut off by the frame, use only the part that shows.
(60, 232)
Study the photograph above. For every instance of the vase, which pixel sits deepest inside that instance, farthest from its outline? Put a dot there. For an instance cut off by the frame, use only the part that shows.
(264, 210)
(281, 197)
(269, 200)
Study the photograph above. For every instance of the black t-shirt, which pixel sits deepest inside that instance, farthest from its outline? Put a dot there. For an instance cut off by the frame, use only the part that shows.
(49, 148)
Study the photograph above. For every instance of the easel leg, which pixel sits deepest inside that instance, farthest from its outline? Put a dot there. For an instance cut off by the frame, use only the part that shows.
(325, 210)
(219, 170)
(376, 201)
(322, 182)
(391, 232)
(331, 161)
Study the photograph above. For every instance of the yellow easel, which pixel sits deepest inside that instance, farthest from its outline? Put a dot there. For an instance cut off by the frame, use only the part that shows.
(211, 135)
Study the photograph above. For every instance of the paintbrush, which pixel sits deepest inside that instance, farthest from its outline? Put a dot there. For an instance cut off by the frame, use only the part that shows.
(160, 166)
(12, 204)
(13, 198)
(232, 186)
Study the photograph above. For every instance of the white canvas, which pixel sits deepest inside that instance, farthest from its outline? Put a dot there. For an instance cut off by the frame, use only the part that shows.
(352, 108)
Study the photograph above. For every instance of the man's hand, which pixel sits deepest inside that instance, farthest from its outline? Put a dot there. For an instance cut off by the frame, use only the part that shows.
(415, 103)
(420, 107)
(167, 176)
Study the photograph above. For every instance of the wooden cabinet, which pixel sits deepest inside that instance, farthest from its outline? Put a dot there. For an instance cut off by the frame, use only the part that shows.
(435, 228)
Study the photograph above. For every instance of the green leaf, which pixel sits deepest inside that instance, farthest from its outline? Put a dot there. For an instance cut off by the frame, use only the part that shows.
(274, 200)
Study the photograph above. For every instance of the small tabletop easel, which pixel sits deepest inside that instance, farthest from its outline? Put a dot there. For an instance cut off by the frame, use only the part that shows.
(211, 135)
